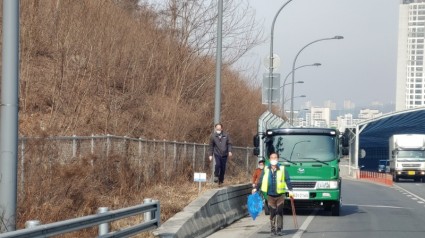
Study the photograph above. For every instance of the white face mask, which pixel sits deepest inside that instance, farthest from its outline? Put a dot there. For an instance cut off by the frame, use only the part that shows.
(261, 166)
(273, 162)
(218, 132)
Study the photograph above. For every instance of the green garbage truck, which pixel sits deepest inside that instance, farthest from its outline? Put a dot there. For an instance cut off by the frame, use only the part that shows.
(311, 156)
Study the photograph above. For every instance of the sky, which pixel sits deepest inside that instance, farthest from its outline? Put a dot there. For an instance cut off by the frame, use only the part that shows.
(361, 67)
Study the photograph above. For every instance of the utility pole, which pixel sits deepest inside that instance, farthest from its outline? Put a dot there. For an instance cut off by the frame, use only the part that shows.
(9, 116)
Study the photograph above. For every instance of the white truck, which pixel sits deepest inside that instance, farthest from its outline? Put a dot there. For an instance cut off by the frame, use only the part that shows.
(407, 156)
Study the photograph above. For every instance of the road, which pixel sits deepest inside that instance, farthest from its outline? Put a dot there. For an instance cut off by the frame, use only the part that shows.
(369, 210)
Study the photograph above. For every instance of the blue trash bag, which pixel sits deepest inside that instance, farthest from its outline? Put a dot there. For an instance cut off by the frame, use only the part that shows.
(255, 205)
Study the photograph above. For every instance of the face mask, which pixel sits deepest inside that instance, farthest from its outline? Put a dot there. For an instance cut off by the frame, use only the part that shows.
(261, 166)
(273, 162)
(218, 132)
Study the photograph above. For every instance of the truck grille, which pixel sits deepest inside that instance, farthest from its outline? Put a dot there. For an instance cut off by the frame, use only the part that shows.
(299, 184)
(411, 165)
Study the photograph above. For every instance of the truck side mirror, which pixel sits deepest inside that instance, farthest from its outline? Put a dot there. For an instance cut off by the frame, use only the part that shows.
(345, 151)
(256, 140)
(345, 141)
(256, 151)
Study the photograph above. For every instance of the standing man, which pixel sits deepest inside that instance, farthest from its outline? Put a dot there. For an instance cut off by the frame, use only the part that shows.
(274, 180)
(220, 148)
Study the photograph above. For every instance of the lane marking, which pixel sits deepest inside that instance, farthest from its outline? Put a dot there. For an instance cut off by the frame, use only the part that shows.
(305, 224)
(422, 199)
(380, 206)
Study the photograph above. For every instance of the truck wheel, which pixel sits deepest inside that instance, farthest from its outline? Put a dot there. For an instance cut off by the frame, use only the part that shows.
(335, 210)
(395, 178)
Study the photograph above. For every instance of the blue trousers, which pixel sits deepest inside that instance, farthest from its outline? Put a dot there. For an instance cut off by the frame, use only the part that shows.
(220, 167)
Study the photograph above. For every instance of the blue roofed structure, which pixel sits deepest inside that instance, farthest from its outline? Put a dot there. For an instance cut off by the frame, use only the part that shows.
(372, 136)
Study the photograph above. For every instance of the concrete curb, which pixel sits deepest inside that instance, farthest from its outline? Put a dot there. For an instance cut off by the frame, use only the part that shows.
(213, 210)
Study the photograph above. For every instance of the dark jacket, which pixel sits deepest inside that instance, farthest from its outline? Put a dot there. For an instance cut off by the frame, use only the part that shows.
(220, 145)
(271, 190)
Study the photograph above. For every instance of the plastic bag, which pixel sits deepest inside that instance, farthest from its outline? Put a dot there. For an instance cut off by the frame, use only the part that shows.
(255, 205)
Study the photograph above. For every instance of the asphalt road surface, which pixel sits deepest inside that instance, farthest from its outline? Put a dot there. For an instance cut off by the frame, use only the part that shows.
(369, 210)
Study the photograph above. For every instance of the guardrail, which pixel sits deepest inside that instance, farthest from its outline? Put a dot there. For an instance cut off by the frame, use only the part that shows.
(151, 210)
(384, 178)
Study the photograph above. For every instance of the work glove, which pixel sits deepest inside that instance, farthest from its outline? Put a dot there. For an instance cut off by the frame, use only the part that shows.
(254, 190)
(291, 194)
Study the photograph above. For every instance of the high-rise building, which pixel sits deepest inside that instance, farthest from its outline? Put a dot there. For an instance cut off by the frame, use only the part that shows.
(410, 84)
(320, 116)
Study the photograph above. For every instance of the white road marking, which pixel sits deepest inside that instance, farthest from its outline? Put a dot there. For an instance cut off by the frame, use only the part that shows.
(380, 206)
(422, 199)
(305, 224)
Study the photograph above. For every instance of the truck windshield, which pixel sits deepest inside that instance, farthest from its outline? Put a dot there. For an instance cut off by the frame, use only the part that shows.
(411, 154)
(303, 147)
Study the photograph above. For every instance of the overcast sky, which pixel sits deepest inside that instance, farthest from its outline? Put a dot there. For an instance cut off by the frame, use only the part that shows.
(360, 68)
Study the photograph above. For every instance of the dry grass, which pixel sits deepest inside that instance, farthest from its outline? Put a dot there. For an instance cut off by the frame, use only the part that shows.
(108, 67)
(66, 191)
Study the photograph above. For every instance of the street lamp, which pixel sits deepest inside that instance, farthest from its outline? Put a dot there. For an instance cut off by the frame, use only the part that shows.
(284, 81)
(290, 99)
(283, 93)
(271, 56)
(293, 69)
(302, 66)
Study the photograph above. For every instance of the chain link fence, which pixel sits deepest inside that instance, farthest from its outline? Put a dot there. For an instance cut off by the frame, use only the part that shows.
(152, 157)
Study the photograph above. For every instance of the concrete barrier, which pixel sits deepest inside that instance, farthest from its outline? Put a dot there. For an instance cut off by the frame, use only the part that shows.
(213, 210)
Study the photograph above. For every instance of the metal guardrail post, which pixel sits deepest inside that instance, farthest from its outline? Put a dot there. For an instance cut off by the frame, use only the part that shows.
(157, 214)
(104, 227)
(32, 223)
(147, 216)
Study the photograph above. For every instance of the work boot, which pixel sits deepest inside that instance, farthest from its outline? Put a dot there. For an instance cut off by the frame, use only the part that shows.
(215, 179)
(279, 232)
(273, 228)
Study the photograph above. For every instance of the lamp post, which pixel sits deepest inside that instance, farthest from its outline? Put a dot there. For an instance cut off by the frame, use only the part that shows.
(283, 91)
(292, 98)
(293, 69)
(271, 56)
(287, 76)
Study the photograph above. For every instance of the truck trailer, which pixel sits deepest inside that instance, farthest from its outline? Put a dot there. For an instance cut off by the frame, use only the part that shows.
(407, 156)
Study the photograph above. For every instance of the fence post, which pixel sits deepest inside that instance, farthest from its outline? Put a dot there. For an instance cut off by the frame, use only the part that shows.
(165, 159)
(104, 227)
(108, 142)
(203, 164)
(185, 150)
(92, 149)
(147, 216)
(175, 154)
(247, 161)
(92, 144)
(22, 167)
(193, 156)
(74, 146)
